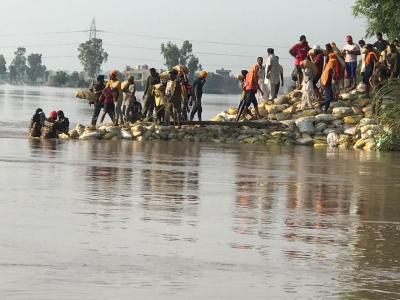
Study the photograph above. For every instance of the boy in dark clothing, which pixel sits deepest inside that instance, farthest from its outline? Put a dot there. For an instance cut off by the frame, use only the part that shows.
(62, 124)
(36, 123)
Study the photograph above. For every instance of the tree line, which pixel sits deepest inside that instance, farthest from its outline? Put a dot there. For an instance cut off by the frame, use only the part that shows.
(23, 67)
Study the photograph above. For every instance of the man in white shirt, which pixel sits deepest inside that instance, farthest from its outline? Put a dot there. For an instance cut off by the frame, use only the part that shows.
(281, 82)
(363, 50)
(261, 78)
(272, 70)
(350, 52)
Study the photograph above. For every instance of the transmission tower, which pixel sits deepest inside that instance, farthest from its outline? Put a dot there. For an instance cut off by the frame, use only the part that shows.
(93, 30)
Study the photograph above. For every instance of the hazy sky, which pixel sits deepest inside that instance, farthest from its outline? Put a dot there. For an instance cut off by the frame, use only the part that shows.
(256, 24)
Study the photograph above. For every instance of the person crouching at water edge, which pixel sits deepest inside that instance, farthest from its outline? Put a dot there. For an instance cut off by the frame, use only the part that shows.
(62, 124)
(173, 99)
(115, 86)
(36, 124)
(49, 127)
(328, 76)
(197, 87)
(252, 87)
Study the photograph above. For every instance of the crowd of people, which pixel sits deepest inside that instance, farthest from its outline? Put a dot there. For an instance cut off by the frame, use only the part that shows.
(48, 128)
(329, 67)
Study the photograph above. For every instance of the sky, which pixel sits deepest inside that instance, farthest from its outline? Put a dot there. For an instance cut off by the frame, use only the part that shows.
(228, 34)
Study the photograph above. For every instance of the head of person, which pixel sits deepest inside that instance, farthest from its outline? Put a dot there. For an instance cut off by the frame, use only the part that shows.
(393, 48)
(53, 115)
(349, 39)
(379, 36)
(369, 47)
(38, 111)
(153, 72)
(60, 115)
(255, 68)
(260, 60)
(173, 74)
(270, 51)
(361, 43)
(303, 39)
(131, 79)
(100, 78)
(329, 48)
(203, 75)
(396, 43)
(317, 49)
(244, 73)
(113, 75)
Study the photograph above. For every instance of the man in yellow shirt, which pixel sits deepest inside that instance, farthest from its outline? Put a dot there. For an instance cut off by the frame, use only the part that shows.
(115, 85)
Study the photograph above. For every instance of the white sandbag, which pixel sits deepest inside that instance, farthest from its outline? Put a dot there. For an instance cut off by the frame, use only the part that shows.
(320, 127)
(87, 95)
(367, 121)
(343, 111)
(305, 125)
(90, 135)
(347, 96)
(112, 128)
(350, 130)
(333, 139)
(337, 122)
(305, 140)
(288, 122)
(126, 135)
(325, 118)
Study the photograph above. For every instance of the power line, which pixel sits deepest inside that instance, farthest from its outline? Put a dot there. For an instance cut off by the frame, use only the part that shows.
(44, 33)
(191, 40)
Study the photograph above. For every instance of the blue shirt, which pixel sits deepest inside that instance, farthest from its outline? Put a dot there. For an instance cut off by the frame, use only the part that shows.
(197, 84)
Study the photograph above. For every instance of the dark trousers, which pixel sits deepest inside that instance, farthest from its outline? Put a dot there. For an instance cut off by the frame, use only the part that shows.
(96, 113)
(149, 105)
(328, 96)
(277, 89)
(197, 108)
(160, 112)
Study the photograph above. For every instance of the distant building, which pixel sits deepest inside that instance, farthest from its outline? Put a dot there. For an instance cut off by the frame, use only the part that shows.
(138, 73)
(224, 73)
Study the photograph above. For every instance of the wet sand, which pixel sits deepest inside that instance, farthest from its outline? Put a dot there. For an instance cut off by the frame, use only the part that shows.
(180, 220)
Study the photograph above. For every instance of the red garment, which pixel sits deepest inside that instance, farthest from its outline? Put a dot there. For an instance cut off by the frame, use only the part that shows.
(252, 80)
(108, 98)
(319, 62)
(301, 52)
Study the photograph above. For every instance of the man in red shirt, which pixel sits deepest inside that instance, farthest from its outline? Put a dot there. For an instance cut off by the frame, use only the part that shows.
(299, 51)
(318, 59)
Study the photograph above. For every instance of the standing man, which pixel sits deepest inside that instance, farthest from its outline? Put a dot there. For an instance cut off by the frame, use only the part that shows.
(272, 72)
(281, 82)
(394, 57)
(148, 96)
(370, 60)
(350, 53)
(299, 51)
(197, 88)
(252, 87)
(115, 85)
(361, 43)
(174, 98)
(380, 44)
(261, 80)
(98, 100)
(318, 60)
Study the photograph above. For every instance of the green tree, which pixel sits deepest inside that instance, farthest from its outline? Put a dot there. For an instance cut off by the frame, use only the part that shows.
(35, 67)
(13, 73)
(59, 79)
(3, 68)
(145, 67)
(184, 56)
(381, 15)
(92, 56)
(214, 84)
(19, 62)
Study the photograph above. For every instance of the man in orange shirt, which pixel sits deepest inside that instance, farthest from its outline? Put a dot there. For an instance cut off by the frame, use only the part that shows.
(252, 87)
(115, 85)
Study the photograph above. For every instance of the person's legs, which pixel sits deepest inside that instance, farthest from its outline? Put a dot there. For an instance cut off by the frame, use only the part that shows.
(151, 106)
(185, 109)
(199, 111)
(96, 113)
(328, 97)
(299, 75)
(277, 89)
(118, 112)
(272, 91)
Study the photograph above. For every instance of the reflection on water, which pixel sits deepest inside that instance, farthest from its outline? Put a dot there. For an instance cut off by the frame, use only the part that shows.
(177, 220)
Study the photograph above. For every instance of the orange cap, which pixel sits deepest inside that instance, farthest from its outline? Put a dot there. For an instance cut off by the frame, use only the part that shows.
(203, 74)
(113, 72)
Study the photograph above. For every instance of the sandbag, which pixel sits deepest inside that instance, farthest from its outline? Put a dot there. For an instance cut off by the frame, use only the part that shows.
(353, 120)
(164, 75)
(357, 110)
(283, 116)
(307, 113)
(361, 88)
(325, 117)
(320, 127)
(305, 125)
(109, 135)
(332, 139)
(239, 77)
(347, 96)
(233, 111)
(73, 134)
(350, 130)
(181, 68)
(87, 95)
(324, 52)
(281, 100)
(80, 128)
(263, 112)
(309, 64)
(341, 112)
(305, 140)
(90, 135)
(363, 102)
(126, 135)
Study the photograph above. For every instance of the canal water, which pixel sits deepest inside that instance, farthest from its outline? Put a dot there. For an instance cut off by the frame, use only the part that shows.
(181, 220)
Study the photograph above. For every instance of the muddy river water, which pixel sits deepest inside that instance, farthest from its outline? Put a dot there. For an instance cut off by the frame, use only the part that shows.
(181, 220)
